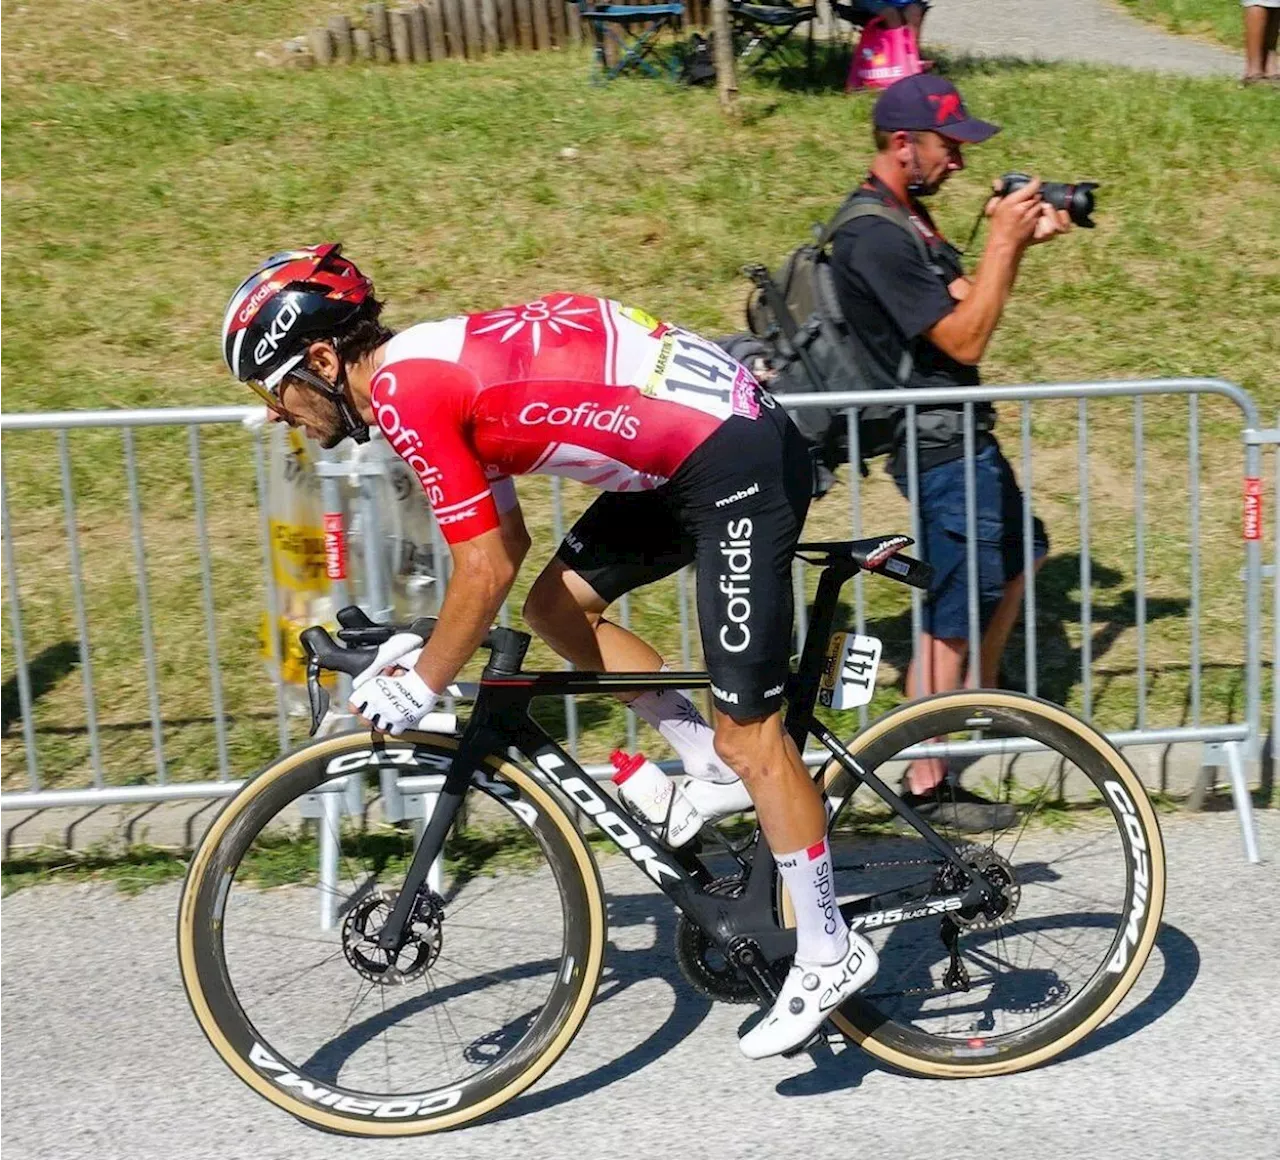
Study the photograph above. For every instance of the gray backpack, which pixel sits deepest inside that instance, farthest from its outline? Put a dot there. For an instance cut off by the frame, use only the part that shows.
(810, 347)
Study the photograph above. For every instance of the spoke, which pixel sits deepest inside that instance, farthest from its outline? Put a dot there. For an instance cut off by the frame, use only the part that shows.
(362, 993)
(300, 974)
(386, 1043)
(274, 936)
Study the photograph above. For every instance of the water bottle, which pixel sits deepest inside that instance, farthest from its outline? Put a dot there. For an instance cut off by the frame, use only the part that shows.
(648, 791)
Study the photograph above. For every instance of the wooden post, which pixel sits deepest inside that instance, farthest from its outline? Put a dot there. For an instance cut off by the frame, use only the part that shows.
(471, 26)
(437, 45)
(453, 37)
(380, 30)
(726, 77)
(541, 24)
(556, 12)
(418, 33)
(362, 43)
(573, 21)
(401, 45)
(340, 31)
(507, 23)
(524, 23)
(489, 24)
(321, 46)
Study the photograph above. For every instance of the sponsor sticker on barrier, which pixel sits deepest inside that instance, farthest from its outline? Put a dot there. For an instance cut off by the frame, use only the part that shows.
(335, 546)
(1252, 508)
(849, 676)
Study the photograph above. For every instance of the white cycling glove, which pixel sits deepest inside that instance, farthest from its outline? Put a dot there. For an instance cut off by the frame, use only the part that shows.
(402, 649)
(393, 704)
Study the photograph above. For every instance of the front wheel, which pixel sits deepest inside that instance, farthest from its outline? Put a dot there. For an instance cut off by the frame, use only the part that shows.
(287, 891)
(1079, 870)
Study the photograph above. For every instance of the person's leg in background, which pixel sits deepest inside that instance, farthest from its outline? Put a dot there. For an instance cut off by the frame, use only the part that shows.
(998, 620)
(941, 663)
(1261, 27)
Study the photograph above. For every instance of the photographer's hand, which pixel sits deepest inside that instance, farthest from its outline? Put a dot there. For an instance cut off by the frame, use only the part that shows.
(1052, 223)
(1015, 218)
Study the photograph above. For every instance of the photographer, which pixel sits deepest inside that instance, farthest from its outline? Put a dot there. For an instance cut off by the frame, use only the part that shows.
(926, 324)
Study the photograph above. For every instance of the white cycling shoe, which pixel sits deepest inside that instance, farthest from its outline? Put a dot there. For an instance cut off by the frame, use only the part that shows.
(808, 996)
(716, 799)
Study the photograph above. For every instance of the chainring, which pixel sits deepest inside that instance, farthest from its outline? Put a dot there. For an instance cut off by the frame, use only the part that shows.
(419, 950)
(703, 965)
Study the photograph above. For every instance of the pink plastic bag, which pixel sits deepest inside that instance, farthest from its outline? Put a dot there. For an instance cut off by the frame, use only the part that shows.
(883, 55)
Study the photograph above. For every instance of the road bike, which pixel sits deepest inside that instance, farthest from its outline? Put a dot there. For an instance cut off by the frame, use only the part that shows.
(465, 948)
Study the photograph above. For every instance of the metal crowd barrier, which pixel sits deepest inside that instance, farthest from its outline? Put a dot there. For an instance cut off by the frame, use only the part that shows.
(1232, 745)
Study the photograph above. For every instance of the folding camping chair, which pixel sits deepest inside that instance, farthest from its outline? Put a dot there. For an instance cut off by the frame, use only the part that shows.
(764, 29)
(616, 23)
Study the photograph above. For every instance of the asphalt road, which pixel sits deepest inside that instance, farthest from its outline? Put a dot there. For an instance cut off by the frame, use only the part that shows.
(1095, 31)
(101, 1057)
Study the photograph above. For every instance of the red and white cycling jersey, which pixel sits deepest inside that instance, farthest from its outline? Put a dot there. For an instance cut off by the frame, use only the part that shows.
(567, 385)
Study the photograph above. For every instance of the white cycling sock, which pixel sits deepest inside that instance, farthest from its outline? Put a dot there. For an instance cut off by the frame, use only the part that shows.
(822, 936)
(676, 717)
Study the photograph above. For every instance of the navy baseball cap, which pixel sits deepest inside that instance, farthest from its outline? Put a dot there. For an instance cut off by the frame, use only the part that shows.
(929, 102)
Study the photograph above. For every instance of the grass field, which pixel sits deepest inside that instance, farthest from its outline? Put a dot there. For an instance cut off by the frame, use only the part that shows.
(1218, 20)
(150, 159)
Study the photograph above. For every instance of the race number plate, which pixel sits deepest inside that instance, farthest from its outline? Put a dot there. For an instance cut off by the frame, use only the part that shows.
(849, 677)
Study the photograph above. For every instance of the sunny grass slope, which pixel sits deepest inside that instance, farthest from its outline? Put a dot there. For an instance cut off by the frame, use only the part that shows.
(149, 160)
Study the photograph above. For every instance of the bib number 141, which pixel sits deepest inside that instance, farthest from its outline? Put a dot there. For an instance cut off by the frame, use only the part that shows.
(849, 676)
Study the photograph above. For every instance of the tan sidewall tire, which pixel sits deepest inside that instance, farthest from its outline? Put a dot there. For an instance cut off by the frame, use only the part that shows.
(325, 750)
(1138, 795)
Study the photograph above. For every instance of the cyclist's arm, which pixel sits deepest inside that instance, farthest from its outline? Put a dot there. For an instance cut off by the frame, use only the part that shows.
(510, 518)
(484, 569)
(421, 406)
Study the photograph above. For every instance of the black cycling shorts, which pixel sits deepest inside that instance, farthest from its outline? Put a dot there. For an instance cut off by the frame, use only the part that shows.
(735, 508)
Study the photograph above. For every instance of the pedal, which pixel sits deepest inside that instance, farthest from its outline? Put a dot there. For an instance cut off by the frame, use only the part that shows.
(817, 1039)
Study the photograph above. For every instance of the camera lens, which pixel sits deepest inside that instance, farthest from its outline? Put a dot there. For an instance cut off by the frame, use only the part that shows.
(1076, 199)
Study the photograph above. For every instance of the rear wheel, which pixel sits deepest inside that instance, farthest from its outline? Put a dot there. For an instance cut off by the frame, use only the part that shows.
(1080, 877)
(496, 976)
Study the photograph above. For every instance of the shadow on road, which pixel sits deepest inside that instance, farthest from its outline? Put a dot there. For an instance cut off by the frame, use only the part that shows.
(1179, 966)
(622, 970)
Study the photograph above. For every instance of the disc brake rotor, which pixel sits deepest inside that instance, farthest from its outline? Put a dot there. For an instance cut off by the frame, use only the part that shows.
(411, 959)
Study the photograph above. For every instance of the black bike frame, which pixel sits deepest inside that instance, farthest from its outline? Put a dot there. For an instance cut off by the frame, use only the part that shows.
(744, 926)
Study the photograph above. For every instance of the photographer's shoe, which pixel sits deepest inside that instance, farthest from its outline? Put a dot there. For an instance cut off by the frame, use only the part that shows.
(949, 805)
(716, 799)
(810, 993)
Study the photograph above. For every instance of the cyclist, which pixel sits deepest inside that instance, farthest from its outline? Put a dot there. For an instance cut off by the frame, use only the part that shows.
(697, 464)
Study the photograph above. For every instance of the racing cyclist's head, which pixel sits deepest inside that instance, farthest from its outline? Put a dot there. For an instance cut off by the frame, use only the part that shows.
(298, 331)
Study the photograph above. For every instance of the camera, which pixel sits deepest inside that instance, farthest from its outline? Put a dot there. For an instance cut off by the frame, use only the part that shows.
(1076, 198)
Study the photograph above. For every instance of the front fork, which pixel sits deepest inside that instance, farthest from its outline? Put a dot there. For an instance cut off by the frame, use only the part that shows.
(473, 748)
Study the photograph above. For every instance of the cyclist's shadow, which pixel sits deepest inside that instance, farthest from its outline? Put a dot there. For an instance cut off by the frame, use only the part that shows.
(844, 1069)
(624, 969)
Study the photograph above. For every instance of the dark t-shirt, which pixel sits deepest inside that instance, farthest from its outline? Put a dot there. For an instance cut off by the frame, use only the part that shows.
(891, 297)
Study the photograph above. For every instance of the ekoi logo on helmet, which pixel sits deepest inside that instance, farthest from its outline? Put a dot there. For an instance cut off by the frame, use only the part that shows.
(277, 332)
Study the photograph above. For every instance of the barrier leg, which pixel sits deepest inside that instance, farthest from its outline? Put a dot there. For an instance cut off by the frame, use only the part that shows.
(435, 875)
(330, 824)
(1234, 753)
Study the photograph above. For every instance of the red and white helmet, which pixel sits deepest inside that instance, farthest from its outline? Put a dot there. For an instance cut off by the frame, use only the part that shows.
(293, 299)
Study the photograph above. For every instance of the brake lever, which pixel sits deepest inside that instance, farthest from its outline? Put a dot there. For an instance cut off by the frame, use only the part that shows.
(317, 694)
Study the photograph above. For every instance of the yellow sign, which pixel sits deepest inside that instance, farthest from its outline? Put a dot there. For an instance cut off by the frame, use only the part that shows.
(293, 658)
(297, 557)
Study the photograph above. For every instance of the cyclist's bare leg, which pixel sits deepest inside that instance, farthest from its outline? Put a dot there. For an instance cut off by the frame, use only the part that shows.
(787, 802)
(567, 613)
